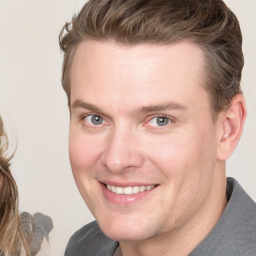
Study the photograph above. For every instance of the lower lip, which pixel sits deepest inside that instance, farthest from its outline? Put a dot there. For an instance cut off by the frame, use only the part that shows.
(124, 199)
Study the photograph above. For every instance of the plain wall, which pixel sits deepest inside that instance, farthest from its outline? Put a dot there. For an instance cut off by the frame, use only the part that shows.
(34, 108)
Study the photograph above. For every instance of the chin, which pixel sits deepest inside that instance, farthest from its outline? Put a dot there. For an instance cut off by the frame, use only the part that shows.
(124, 230)
(124, 235)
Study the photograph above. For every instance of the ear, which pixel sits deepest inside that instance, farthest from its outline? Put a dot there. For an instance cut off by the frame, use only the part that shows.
(231, 123)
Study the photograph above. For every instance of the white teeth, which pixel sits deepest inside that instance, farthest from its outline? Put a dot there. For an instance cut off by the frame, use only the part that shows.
(142, 188)
(129, 190)
(119, 190)
(135, 190)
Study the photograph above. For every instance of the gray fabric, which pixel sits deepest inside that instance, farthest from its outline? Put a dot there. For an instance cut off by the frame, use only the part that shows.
(233, 235)
(235, 232)
(90, 241)
(38, 227)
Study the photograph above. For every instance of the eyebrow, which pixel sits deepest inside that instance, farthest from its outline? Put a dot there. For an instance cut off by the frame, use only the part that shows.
(144, 109)
(81, 104)
(162, 107)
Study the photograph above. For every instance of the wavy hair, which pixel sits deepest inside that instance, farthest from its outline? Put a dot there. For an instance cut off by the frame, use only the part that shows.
(13, 241)
(210, 24)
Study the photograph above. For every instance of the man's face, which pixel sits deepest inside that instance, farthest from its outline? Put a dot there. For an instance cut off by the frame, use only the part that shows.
(143, 144)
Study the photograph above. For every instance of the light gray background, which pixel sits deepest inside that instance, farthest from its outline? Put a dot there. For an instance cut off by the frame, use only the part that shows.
(35, 111)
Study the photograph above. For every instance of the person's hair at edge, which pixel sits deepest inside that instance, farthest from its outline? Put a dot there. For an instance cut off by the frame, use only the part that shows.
(209, 24)
(13, 240)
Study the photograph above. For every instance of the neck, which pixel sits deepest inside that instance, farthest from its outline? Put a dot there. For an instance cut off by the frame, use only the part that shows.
(185, 238)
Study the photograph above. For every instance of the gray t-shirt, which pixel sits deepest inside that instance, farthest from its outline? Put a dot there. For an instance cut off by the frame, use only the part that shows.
(233, 235)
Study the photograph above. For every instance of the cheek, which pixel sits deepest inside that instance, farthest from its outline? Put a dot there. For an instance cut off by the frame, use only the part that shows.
(83, 151)
(171, 153)
(84, 154)
(181, 156)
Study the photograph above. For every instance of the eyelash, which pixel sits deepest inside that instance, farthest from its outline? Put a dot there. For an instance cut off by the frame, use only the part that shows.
(170, 120)
(83, 117)
(146, 124)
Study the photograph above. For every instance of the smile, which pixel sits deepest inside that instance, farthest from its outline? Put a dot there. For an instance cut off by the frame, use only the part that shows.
(129, 190)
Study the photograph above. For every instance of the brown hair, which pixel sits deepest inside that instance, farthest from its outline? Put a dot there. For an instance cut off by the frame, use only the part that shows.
(13, 241)
(210, 24)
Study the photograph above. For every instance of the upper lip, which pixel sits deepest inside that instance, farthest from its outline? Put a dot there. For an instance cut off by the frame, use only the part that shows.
(127, 184)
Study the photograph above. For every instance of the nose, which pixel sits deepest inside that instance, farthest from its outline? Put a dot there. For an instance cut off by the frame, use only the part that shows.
(122, 152)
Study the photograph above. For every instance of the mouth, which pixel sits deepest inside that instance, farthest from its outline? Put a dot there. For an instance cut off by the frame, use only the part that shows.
(129, 190)
(125, 195)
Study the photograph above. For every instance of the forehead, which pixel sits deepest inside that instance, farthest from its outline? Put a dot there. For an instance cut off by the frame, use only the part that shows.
(137, 74)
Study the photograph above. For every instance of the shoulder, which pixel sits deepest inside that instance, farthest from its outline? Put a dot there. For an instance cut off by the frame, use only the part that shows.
(242, 220)
(241, 208)
(90, 240)
(235, 232)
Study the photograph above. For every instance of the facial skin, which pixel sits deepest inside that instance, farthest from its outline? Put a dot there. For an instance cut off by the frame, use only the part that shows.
(141, 117)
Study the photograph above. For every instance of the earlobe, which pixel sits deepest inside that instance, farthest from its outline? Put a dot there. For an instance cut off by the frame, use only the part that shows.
(231, 127)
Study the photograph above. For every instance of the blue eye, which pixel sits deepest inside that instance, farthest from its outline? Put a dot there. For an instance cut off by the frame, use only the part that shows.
(94, 120)
(159, 121)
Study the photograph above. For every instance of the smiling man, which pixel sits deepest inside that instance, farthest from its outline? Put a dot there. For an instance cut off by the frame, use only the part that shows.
(156, 109)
